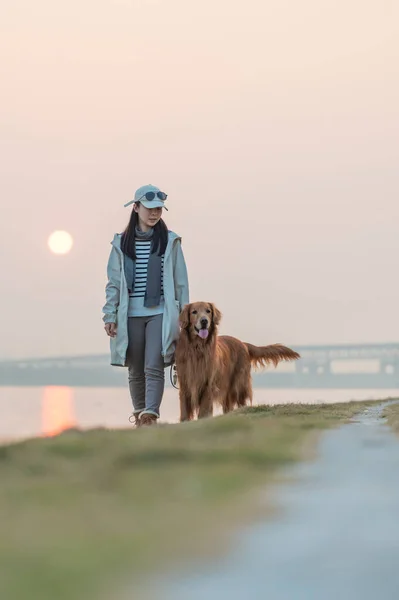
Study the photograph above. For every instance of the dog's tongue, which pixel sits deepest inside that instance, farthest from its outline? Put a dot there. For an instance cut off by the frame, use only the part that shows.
(203, 333)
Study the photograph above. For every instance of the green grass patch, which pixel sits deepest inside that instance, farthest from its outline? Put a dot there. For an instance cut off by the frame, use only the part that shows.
(81, 509)
(392, 415)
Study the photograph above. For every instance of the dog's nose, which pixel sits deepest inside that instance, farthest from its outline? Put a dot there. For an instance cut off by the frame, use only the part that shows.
(204, 323)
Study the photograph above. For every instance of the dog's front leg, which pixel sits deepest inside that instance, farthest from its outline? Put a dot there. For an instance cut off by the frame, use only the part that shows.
(205, 402)
(186, 411)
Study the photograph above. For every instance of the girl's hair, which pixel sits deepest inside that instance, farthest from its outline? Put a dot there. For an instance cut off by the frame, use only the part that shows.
(128, 241)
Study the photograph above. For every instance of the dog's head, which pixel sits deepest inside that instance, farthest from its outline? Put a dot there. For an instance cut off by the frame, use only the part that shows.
(200, 319)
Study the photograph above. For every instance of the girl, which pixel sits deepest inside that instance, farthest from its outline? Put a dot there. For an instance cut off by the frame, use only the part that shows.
(147, 289)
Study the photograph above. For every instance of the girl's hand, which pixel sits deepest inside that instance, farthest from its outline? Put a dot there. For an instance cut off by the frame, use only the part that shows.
(110, 328)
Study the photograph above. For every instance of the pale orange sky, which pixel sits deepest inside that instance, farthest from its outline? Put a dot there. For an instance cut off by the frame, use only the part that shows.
(273, 126)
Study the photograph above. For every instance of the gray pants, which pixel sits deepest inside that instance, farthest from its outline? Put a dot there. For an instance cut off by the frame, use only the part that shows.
(145, 363)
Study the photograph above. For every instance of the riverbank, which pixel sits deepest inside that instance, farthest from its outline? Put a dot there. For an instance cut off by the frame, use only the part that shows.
(84, 509)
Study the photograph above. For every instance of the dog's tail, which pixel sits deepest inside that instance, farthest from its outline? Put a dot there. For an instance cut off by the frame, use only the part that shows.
(261, 356)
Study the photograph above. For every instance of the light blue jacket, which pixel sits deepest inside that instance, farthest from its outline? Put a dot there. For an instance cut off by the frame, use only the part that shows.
(176, 295)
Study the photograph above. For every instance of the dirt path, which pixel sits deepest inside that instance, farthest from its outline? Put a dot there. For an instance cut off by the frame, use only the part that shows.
(337, 536)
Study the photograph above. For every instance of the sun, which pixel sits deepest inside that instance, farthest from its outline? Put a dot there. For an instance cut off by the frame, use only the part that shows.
(60, 242)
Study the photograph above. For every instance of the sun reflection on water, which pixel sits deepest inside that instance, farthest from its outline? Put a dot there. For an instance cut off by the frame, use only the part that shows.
(57, 410)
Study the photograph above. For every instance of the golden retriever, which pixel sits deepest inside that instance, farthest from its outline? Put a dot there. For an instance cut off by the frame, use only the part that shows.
(212, 368)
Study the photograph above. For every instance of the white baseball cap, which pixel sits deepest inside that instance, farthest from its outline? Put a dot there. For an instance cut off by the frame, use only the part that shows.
(150, 197)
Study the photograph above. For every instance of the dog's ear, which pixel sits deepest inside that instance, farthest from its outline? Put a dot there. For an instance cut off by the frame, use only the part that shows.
(184, 318)
(217, 315)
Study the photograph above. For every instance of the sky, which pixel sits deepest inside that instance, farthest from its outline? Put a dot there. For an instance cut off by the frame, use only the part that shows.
(273, 127)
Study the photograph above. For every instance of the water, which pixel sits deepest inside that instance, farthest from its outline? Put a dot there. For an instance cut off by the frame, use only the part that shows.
(30, 412)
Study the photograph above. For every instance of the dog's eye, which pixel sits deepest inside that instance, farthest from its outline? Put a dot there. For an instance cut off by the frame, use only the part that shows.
(208, 310)
(194, 312)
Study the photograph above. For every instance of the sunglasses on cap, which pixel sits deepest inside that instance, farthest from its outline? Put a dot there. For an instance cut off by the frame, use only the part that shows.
(151, 196)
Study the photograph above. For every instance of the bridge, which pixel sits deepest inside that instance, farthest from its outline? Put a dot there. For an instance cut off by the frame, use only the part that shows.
(358, 366)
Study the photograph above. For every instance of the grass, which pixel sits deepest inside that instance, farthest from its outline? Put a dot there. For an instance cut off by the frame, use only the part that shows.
(79, 510)
(392, 415)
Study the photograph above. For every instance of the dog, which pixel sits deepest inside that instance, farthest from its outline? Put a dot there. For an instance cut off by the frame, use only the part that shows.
(212, 368)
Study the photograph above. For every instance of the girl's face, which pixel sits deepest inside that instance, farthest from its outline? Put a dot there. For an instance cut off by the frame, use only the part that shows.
(148, 217)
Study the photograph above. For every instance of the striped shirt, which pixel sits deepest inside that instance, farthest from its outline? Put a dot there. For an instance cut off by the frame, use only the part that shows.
(136, 297)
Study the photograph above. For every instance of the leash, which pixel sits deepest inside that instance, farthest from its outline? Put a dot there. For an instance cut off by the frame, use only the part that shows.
(173, 376)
